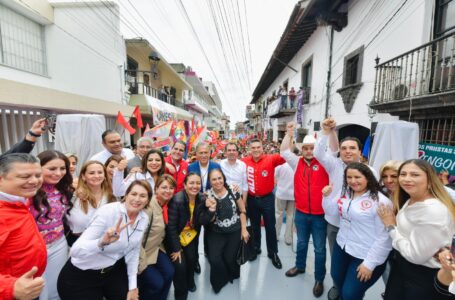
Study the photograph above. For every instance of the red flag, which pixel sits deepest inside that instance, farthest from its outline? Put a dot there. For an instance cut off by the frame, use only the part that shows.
(137, 115)
(121, 120)
(219, 147)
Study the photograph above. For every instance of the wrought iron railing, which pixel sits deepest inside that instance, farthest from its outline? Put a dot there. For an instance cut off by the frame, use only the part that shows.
(138, 82)
(425, 70)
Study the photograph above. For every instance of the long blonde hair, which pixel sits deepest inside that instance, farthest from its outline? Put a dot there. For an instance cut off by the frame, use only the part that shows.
(85, 194)
(435, 187)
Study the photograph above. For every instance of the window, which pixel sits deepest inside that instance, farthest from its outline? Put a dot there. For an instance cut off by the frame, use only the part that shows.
(437, 131)
(444, 18)
(353, 67)
(21, 42)
(307, 74)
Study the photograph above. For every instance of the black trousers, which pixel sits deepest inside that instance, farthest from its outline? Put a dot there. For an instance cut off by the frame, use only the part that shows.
(76, 284)
(222, 258)
(408, 281)
(263, 207)
(184, 270)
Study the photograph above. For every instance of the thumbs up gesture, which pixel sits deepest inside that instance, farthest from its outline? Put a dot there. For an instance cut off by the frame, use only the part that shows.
(26, 287)
(327, 190)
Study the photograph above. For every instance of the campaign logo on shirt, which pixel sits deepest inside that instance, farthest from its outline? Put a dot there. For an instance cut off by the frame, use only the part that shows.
(365, 205)
(265, 173)
(184, 172)
(315, 167)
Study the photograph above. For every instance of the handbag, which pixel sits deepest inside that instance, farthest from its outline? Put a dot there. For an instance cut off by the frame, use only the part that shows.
(186, 236)
(246, 250)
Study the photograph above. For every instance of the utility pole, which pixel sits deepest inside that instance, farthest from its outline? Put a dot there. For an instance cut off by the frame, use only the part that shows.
(329, 74)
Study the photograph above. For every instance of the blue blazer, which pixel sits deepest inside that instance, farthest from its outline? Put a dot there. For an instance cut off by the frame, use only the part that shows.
(194, 167)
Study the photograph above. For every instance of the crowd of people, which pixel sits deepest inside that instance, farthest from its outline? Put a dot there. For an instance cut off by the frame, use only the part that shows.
(127, 225)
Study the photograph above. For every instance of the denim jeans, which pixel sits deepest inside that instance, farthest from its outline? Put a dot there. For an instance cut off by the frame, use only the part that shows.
(265, 207)
(155, 281)
(284, 100)
(316, 226)
(344, 274)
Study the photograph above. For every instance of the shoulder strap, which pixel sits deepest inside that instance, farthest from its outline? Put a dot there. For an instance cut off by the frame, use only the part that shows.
(149, 227)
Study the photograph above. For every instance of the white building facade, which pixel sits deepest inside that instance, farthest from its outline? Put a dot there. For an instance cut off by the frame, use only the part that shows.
(59, 57)
(342, 38)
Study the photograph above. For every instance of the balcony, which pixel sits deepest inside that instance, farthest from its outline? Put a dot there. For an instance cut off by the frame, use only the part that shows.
(196, 104)
(253, 114)
(138, 82)
(421, 80)
(278, 108)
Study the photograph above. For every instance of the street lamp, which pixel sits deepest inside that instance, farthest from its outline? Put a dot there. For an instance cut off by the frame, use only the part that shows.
(154, 59)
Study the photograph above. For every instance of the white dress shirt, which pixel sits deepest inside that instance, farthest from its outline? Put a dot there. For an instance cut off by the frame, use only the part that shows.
(422, 229)
(77, 219)
(334, 166)
(284, 176)
(86, 253)
(120, 185)
(235, 174)
(104, 155)
(452, 287)
(362, 233)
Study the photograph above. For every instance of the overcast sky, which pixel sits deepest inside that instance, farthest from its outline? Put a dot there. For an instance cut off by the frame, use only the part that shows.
(264, 20)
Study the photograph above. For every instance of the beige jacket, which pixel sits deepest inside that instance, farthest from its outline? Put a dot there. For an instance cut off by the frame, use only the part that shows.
(149, 255)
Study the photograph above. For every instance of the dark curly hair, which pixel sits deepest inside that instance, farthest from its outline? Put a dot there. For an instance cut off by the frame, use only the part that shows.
(372, 182)
(64, 186)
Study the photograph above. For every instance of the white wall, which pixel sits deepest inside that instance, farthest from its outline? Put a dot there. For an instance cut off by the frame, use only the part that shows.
(74, 67)
(407, 30)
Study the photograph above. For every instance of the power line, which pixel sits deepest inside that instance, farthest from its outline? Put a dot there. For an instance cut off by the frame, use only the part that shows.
(71, 35)
(151, 29)
(195, 35)
(230, 41)
(248, 37)
(387, 23)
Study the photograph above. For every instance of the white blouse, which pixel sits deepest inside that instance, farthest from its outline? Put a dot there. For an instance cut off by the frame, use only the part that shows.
(77, 219)
(422, 229)
(120, 185)
(362, 233)
(86, 253)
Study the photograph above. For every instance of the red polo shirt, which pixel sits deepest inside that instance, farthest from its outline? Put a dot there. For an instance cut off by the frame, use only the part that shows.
(261, 174)
(180, 173)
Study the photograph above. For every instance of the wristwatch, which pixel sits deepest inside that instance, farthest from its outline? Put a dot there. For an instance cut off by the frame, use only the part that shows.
(390, 228)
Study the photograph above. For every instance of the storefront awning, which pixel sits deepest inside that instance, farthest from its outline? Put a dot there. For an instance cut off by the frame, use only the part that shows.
(161, 111)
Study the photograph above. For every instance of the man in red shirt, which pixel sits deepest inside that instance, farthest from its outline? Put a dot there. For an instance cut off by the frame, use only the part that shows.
(260, 169)
(179, 164)
(23, 254)
(310, 178)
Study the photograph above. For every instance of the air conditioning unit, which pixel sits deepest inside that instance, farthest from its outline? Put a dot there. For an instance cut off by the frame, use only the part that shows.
(399, 92)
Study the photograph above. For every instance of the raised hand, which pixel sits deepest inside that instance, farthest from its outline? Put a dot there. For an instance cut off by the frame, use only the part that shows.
(113, 234)
(327, 190)
(170, 168)
(136, 170)
(328, 125)
(26, 287)
(122, 165)
(211, 204)
(290, 127)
